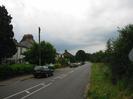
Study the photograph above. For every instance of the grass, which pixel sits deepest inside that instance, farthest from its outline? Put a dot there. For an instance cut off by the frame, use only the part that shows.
(101, 86)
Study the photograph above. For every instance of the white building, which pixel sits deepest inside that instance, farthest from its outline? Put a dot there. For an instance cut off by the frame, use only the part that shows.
(22, 46)
(18, 57)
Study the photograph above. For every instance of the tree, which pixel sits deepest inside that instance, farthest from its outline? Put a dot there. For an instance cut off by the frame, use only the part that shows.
(48, 53)
(7, 44)
(108, 51)
(98, 56)
(63, 61)
(80, 55)
(88, 55)
(121, 64)
(117, 54)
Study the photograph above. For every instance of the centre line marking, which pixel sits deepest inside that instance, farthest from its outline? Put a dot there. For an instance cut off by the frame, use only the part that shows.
(27, 91)
(57, 77)
(22, 91)
(71, 71)
(36, 91)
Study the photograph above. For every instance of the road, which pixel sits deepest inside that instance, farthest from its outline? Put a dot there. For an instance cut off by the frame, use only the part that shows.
(67, 83)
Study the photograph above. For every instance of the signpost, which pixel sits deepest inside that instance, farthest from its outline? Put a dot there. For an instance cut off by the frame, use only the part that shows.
(130, 55)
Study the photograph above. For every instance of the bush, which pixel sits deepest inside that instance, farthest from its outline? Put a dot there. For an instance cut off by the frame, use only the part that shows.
(57, 65)
(63, 61)
(7, 71)
(21, 68)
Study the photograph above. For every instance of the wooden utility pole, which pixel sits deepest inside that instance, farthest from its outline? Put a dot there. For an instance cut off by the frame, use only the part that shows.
(130, 55)
(39, 30)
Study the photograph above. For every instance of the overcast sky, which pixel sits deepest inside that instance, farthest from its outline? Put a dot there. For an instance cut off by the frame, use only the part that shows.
(70, 24)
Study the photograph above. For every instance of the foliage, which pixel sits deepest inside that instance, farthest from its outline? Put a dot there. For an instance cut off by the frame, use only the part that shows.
(80, 55)
(21, 68)
(72, 59)
(7, 71)
(108, 52)
(101, 86)
(116, 54)
(97, 57)
(7, 45)
(63, 61)
(57, 65)
(120, 65)
(88, 56)
(47, 51)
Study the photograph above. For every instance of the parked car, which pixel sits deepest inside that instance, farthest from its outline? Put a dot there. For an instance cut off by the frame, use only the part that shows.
(79, 64)
(82, 63)
(42, 71)
(74, 65)
(51, 66)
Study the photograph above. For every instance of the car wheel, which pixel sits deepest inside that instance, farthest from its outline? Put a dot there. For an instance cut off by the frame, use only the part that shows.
(52, 74)
(46, 75)
(35, 76)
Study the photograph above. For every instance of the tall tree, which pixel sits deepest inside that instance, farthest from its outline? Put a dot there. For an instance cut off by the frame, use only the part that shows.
(121, 48)
(108, 51)
(80, 55)
(48, 53)
(7, 44)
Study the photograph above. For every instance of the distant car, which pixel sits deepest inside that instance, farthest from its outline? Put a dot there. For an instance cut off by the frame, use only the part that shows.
(79, 64)
(74, 65)
(42, 71)
(82, 63)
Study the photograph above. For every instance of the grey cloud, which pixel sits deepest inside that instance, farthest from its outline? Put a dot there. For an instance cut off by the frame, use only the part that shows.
(86, 24)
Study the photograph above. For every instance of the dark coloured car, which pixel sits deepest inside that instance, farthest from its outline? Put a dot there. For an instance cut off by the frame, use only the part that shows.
(42, 71)
(51, 66)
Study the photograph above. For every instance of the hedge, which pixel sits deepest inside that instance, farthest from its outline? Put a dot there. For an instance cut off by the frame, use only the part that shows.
(7, 71)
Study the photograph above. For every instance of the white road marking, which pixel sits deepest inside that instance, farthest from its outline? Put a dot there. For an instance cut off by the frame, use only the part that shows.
(43, 84)
(36, 90)
(22, 91)
(27, 91)
(63, 76)
(71, 72)
(58, 77)
(52, 80)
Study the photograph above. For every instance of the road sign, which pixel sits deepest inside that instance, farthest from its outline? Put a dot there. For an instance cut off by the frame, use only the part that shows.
(130, 55)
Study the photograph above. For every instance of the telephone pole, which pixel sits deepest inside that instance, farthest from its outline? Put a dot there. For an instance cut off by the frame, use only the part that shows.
(39, 30)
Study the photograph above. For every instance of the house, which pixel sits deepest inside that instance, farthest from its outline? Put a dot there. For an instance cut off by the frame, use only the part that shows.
(27, 40)
(22, 46)
(66, 54)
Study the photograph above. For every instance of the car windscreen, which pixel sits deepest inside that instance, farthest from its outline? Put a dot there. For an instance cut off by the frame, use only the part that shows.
(38, 68)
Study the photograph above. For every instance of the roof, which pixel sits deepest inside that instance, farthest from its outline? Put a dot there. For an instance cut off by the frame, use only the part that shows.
(27, 40)
(67, 54)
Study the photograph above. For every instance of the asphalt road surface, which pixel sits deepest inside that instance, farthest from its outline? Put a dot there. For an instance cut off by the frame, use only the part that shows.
(67, 83)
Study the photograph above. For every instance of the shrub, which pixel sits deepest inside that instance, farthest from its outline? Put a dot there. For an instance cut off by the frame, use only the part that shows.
(57, 65)
(21, 68)
(7, 71)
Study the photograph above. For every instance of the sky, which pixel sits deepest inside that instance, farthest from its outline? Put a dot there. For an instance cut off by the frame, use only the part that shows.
(70, 24)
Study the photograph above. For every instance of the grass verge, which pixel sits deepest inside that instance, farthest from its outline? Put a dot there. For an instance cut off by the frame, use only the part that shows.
(101, 86)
